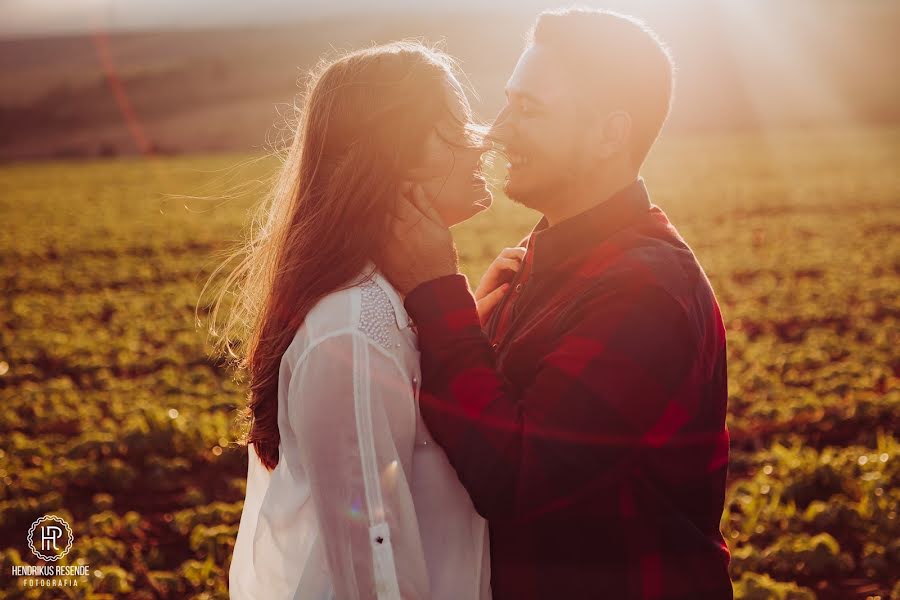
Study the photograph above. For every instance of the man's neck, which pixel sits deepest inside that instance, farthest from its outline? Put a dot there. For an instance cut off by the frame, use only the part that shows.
(587, 194)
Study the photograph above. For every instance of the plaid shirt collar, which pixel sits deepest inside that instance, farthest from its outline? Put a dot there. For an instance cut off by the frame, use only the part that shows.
(552, 246)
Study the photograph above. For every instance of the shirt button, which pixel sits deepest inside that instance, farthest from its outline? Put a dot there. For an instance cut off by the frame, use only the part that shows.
(495, 345)
(518, 288)
(415, 380)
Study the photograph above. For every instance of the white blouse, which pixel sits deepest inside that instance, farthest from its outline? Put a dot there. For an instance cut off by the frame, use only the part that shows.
(363, 503)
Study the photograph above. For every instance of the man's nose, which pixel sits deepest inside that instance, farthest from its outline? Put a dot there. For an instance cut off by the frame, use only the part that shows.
(500, 130)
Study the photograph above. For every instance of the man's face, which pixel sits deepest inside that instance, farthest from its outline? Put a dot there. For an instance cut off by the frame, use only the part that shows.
(539, 130)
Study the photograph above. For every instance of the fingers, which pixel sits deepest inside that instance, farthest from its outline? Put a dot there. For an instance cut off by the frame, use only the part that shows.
(422, 203)
(517, 253)
(501, 263)
(407, 215)
(509, 260)
(404, 210)
(487, 304)
(412, 206)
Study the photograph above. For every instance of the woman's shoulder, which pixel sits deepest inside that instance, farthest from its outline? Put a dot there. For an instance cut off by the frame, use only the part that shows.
(368, 305)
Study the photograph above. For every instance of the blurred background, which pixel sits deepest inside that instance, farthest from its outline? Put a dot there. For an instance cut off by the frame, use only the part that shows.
(136, 137)
(123, 76)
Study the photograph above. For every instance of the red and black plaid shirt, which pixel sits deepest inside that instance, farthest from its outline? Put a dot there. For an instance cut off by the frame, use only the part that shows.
(588, 421)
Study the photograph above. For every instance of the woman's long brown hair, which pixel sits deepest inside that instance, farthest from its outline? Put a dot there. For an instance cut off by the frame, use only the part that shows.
(362, 126)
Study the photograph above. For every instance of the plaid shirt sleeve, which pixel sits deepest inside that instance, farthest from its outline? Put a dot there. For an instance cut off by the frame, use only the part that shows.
(618, 381)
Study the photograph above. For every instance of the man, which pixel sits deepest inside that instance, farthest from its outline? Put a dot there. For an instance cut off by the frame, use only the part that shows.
(587, 419)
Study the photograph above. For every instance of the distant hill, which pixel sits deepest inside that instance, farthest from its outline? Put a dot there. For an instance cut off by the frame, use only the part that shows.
(211, 90)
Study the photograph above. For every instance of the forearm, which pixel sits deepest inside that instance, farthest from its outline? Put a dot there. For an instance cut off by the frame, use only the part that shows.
(465, 403)
(350, 427)
(599, 395)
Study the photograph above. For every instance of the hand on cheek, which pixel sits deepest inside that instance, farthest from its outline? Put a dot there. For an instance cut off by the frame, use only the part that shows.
(420, 247)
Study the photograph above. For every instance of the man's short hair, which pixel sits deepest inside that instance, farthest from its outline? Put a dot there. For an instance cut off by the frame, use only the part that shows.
(615, 59)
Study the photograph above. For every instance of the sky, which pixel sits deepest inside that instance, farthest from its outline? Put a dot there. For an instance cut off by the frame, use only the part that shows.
(20, 18)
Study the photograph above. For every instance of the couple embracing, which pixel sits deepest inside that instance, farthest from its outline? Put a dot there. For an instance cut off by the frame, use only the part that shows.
(557, 433)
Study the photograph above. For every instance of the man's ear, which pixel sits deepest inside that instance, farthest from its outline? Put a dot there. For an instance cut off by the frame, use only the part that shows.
(614, 134)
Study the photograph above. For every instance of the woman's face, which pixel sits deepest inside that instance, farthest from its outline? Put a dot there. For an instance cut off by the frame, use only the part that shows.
(450, 174)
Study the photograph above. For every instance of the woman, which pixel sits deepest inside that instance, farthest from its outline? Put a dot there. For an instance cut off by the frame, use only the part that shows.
(347, 494)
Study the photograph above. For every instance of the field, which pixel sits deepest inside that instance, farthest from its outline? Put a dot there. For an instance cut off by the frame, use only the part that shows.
(117, 419)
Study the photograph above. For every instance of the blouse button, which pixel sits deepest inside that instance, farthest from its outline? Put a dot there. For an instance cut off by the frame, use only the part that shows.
(495, 345)
(518, 287)
(415, 380)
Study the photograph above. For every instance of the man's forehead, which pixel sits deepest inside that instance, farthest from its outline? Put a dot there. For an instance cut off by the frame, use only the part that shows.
(537, 75)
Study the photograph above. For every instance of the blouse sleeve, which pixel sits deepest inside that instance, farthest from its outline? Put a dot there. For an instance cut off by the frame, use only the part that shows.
(354, 415)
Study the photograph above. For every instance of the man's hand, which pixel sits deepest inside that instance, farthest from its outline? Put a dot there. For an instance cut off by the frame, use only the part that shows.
(494, 282)
(421, 248)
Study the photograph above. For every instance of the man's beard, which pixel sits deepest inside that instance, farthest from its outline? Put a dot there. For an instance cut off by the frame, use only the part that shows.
(517, 198)
(546, 190)
(535, 196)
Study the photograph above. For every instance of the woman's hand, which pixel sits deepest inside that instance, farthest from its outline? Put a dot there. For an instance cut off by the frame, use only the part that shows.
(421, 248)
(494, 282)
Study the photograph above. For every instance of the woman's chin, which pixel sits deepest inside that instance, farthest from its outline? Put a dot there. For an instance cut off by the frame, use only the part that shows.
(463, 215)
